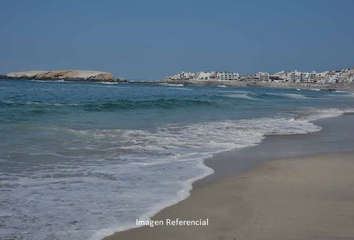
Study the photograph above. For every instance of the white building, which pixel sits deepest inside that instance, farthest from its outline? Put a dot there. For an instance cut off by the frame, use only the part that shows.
(278, 77)
(182, 76)
(333, 77)
(304, 76)
(204, 75)
(312, 77)
(263, 76)
(174, 77)
(294, 76)
(351, 79)
(187, 75)
(347, 75)
(227, 76)
(338, 76)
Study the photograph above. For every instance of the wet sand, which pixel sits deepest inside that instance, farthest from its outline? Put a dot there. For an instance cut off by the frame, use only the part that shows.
(250, 197)
(334, 137)
(302, 198)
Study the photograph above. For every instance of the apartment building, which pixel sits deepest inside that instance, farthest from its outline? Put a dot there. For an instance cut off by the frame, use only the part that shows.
(227, 76)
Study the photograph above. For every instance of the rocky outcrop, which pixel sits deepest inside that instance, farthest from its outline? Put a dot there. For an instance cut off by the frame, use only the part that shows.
(121, 80)
(68, 75)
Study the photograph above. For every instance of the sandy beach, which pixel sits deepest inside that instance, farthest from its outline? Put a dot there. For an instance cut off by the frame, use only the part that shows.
(298, 198)
(288, 187)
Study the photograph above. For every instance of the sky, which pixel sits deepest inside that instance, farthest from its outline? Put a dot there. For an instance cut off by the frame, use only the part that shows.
(147, 40)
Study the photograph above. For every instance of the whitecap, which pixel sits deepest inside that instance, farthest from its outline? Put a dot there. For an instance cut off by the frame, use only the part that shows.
(109, 83)
(314, 114)
(182, 89)
(241, 96)
(290, 95)
(172, 84)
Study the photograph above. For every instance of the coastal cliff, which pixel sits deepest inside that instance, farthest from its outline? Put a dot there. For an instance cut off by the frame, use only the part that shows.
(66, 75)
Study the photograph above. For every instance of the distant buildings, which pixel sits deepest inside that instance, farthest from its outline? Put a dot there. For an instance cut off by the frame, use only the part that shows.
(342, 76)
(326, 77)
(182, 76)
(202, 76)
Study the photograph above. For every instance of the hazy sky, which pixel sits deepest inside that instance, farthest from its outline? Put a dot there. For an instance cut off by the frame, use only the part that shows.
(152, 39)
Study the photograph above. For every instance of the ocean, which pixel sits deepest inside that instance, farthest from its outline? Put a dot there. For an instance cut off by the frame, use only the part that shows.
(84, 160)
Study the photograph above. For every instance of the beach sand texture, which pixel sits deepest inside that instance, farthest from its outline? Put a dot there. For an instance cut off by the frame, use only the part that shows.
(297, 198)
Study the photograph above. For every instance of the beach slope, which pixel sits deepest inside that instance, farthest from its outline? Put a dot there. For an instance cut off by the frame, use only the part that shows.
(299, 198)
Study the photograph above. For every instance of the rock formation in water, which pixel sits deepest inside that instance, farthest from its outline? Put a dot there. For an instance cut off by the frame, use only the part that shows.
(66, 75)
(121, 80)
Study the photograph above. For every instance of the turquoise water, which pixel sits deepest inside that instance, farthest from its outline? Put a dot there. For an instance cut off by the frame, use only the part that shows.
(82, 160)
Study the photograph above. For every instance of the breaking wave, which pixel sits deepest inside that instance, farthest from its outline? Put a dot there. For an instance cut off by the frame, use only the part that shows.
(289, 95)
(241, 96)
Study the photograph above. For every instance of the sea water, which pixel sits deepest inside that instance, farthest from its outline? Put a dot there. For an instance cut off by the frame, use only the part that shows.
(83, 160)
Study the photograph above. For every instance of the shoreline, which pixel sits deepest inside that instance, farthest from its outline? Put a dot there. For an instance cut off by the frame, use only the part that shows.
(333, 138)
(226, 167)
(328, 87)
(280, 199)
(303, 86)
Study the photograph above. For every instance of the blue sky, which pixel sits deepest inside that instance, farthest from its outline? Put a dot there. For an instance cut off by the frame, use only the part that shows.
(152, 39)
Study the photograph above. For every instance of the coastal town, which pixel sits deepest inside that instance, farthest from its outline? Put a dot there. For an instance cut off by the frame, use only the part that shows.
(297, 77)
(326, 80)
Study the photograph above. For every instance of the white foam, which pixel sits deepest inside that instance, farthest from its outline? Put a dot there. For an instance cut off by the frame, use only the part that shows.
(50, 81)
(317, 114)
(33, 103)
(350, 94)
(241, 96)
(196, 142)
(179, 88)
(289, 95)
(172, 84)
(109, 83)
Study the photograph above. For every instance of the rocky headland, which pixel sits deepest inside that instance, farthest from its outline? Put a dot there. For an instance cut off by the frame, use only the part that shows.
(66, 75)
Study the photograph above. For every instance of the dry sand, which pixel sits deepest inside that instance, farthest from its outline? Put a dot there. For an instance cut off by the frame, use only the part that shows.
(298, 198)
